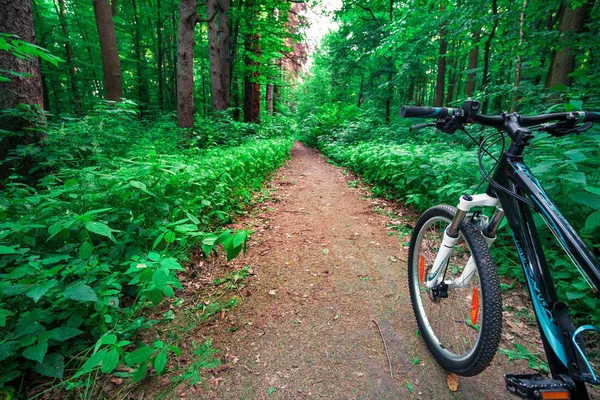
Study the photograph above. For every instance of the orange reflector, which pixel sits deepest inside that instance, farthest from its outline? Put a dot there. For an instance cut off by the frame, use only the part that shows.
(556, 395)
(475, 306)
(421, 268)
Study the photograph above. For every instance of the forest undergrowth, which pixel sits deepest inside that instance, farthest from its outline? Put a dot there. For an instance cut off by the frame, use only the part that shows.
(101, 237)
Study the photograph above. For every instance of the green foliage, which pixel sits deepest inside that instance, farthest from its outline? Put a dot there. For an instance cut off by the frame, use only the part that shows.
(23, 50)
(102, 236)
(521, 353)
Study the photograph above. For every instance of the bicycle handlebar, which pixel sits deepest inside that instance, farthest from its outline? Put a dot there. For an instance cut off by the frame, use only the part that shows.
(495, 120)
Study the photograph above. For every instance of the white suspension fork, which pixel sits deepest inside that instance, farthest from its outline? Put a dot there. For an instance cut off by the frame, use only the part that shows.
(451, 237)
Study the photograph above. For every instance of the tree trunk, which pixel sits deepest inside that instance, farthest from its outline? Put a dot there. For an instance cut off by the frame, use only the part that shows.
(473, 58)
(159, 55)
(111, 66)
(486, 56)
(441, 67)
(269, 98)
(185, 63)
(563, 60)
(114, 7)
(62, 17)
(17, 18)
(252, 79)
(219, 53)
(515, 93)
(82, 29)
(143, 99)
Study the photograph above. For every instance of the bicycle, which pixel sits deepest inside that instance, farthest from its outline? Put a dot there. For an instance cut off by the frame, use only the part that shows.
(454, 286)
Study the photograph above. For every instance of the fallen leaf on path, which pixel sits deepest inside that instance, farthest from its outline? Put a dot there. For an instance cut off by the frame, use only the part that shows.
(272, 292)
(222, 316)
(117, 381)
(214, 382)
(453, 382)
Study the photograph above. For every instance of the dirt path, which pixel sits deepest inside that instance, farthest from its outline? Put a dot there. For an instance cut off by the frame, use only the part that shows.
(325, 269)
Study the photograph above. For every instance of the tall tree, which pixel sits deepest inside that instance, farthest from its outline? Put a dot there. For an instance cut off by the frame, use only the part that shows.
(563, 59)
(62, 16)
(473, 58)
(515, 94)
(143, 99)
(441, 66)
(486, 55)
(16, 18)
(188, 18)
(111, 65)
(252, 78)
(219, 50)
(252, 63)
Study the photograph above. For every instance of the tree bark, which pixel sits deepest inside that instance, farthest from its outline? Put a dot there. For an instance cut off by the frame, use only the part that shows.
(473, 58)
(62, 17)
(111, 65)
(441, 67)
(269, 98)
(159, 55)
(219, 53)
(563, 59)
(486, 56)
(252, 79)
(515, 93)
(185, 63)
(143, 99)
(17, 18)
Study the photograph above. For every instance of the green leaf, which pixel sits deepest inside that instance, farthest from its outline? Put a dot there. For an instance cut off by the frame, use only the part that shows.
(577, 104)
(171, 263)
(139, 373)
(85, 250)
(192, 218)
(593, 221)
(153, 256)
(52, 366)
(108, 338)
(64, 333)
(572, 295)
(170, 237)
(209, 240)
(155, 296)
(576, 177)
(79, 291)
(7, 250)
(93, 361)
(233, 253)
(239, 238)
(39, 289)
(100, 229)
(160, 279)
(159, 362)
(110, 361)
(157, 240)
(140, 355)
(271, 390)
(37, 352)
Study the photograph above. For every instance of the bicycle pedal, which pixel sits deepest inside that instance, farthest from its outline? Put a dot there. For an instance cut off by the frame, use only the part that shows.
(536, 386)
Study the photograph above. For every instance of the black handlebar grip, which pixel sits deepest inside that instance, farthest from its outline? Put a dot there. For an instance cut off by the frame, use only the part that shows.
(425, 112)
(592, 116)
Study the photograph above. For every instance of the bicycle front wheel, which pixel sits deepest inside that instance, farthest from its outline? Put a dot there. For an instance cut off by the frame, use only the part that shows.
(461, 318)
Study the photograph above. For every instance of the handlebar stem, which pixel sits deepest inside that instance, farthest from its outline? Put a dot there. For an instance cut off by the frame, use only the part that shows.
(520, 136)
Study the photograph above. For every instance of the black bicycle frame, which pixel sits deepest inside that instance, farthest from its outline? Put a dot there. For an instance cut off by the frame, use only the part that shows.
(552, 315)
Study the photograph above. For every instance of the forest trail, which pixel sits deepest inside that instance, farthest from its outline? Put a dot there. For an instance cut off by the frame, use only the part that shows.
(325, 269)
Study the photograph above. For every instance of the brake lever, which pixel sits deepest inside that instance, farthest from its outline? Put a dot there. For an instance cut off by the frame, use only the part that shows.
(447, 125)
(420, 126)
(563, 128)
